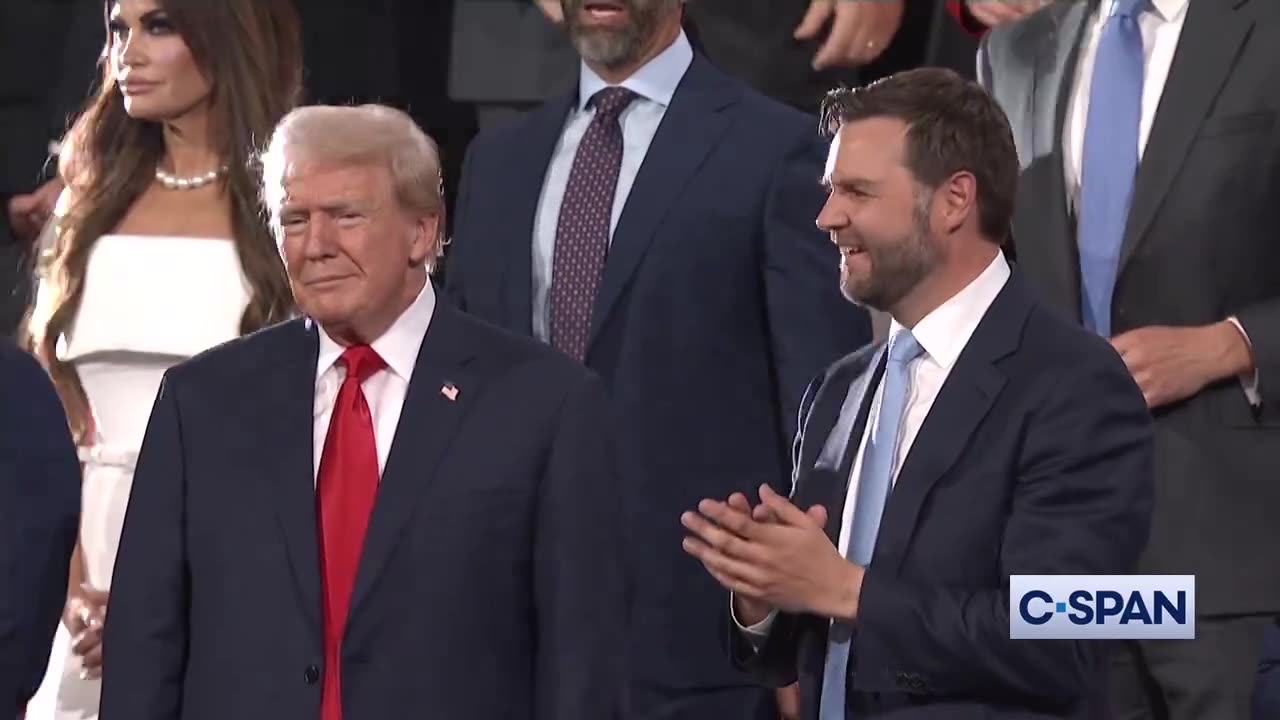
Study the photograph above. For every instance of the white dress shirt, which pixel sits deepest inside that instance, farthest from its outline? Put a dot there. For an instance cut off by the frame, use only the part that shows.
(384, 390)
(1161, 27)
(943, 334)
(655, 83)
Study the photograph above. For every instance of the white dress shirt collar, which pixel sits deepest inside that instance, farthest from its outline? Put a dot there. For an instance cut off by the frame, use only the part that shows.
(1169, 10)
(944, 332)
(656, 80)
(398, 346)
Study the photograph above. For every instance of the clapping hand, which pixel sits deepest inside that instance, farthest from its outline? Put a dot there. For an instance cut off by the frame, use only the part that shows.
(775, 554)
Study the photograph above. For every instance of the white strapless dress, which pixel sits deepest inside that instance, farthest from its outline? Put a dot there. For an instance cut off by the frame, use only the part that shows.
(150, 302)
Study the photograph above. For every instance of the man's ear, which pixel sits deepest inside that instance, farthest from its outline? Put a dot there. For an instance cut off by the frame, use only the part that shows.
(425, 239)
(956, 200)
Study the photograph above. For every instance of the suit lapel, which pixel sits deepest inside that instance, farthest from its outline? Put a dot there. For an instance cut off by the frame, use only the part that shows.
(1055, 69)
(691, 128)
(427, 425)
(290, 399)
(967, 395)
(842, 407)
(528, 174)
(1212, 35)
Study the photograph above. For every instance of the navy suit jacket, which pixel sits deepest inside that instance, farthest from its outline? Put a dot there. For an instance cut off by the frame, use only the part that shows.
(719, 302)
(39, 519)
(489, 585)
(1036, 458)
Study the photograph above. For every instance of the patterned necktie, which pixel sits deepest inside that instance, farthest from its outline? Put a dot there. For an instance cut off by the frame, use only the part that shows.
(346, 487)
(582, 235)
(874, 481)
(1109, 163)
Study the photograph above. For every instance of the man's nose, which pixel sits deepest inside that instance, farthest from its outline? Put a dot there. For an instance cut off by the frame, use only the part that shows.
(831, 217)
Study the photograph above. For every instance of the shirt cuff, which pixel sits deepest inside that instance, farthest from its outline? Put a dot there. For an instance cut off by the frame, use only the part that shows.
(755, 633)
(1248, 381)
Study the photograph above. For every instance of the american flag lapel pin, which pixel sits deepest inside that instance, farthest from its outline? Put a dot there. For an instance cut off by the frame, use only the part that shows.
(450, 391)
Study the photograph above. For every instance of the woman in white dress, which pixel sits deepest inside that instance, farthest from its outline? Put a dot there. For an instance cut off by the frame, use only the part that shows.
(160, 253)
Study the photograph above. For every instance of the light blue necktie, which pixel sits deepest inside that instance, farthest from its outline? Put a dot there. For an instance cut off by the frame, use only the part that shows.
(1110, 160)
(874, 482)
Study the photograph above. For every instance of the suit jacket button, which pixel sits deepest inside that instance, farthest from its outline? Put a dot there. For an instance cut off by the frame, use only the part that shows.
(311, 675)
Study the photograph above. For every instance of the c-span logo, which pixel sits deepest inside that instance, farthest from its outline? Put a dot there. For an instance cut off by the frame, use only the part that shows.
(1102, 607)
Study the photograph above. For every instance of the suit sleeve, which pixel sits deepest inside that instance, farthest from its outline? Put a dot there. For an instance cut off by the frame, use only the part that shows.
(1261, 322)
(39, 519)
(811, 324)
(145, 638)
(455, 262)
(1081, 505)
(983, 60)
(774, 658)
(578, 562)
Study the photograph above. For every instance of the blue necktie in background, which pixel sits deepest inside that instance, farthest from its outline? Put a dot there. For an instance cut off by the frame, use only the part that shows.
(874, 482)
(1109, 164)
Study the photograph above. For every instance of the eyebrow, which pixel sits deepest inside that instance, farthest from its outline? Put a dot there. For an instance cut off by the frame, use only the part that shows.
(330, 208)
(115, 18)
(863, 184)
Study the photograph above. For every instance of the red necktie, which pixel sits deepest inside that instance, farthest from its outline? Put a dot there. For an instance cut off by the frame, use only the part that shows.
(346, 488)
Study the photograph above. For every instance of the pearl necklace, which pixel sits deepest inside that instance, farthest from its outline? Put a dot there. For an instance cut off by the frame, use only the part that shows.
(173, 182)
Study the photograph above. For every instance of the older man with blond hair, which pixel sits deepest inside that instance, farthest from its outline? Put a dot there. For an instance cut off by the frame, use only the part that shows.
(384, 509)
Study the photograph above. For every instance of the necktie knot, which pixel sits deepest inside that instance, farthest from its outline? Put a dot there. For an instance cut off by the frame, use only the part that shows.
(1130, 8)
(611, 101)
(904, 347)
(361, 362)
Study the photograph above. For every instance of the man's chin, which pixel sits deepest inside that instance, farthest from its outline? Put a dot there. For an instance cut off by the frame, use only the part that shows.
(326, 314)
(861, 298)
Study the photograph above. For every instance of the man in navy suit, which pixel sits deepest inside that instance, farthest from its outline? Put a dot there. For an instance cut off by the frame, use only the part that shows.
(657, 224)
(987, 438)
(39, 519)
(386, 509)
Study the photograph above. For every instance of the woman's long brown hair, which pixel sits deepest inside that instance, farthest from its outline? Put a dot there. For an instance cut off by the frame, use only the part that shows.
(251, 52)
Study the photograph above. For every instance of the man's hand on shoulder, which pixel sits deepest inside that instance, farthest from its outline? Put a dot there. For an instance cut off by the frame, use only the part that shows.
(859, 31)
(776, 556)
(994, 13)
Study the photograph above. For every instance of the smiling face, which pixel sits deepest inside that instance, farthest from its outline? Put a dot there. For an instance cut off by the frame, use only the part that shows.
(153, 66)
(877, 215)
(353, 254)
(618, 33)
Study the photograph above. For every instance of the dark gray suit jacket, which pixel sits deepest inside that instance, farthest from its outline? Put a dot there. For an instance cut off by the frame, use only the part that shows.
(1042, 437)
(47, 49)
(39, 520)
(749, 39)
(507, 51)
(1201, 245)
(489, 586)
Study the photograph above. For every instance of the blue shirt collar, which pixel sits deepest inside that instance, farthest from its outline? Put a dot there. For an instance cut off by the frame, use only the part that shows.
(656, 80)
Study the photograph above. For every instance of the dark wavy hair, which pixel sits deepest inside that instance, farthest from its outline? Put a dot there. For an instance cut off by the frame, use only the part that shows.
(251, 52)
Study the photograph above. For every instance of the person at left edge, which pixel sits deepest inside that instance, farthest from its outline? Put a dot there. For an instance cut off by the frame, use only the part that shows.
(39, 518)
(384, 509)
